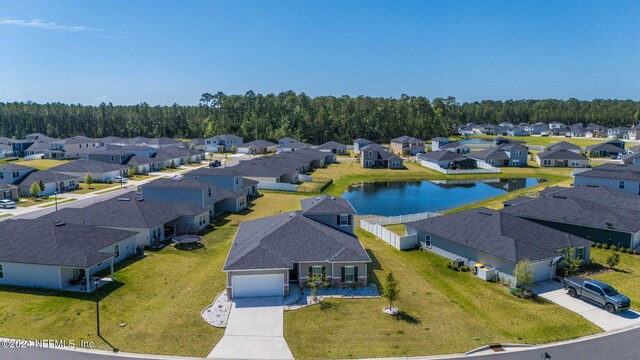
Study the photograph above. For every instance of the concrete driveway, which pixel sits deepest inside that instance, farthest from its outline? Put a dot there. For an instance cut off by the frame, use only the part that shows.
(553, 291)
(254, 331)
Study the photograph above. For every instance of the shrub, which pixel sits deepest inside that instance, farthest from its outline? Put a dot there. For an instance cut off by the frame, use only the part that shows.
(593, 245)
(455, 267)
(605, 246)
(623, 249)
(635, 252)
(613, 260)
(449, 265)
(465, 268)
(614, 248)
(599, 245)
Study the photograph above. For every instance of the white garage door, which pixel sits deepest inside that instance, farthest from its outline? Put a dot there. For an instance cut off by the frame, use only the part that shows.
(542, 271)
(258, 285)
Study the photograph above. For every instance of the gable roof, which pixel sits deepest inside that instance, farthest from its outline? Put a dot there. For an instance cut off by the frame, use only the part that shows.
(130, 213)
(561, 154)
(333, 145)
(605, 147)
(499, 234)
(613, 171)
(87, 165)
(406, 138)
(489, 154)
(14, 167)
(595, 207)
(442, 155)
(38, 241)
(218, 171)
(563, 145)
(177, 182)
(46, 177)
(259, 143)
(325, 204)
(276, 242)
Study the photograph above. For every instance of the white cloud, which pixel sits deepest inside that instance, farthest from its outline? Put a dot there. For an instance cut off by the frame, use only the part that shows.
(47, 25)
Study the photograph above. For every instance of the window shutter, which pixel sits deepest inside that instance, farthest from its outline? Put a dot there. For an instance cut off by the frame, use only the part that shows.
(310, 271)
(324, 271)
(342, 275)
(348, 219)
(355, 273)
(338, 219)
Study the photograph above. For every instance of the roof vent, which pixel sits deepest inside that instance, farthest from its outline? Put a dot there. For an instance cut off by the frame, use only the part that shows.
(124, 199)
(140, 198)
(333, 198)
(59, 223)
(485, 213)
(559, 196)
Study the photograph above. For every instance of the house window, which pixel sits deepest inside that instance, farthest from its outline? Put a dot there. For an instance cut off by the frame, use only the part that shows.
(575, 163)
(370, 153)
(349, 274)
(116, 249)
(72, 184)
(515, 162)
(316, 271)
(621, 184)
(344, 220)
(580, 253)
(1, 175)
(1, 272)
(16, 174)
(113, 158)
(518, 152)
(546, 162)
(209, 192)
(427, 240)
(237, 180)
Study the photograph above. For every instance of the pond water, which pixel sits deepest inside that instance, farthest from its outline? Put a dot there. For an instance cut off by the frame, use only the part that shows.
(409, 197)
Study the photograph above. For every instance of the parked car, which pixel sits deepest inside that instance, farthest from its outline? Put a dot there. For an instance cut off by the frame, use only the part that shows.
(215, 163)
(7, 204)
(598, 292)
(120, 179)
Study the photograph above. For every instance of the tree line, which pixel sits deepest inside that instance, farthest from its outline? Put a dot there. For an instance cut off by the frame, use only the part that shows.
(310, 119)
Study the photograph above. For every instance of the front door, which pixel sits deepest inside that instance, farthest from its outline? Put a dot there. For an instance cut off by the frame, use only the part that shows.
(61, 186)
(293, 274)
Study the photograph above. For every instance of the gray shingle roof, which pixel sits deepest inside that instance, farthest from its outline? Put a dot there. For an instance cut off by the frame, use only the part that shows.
(46, 177)
(259, 143)
(332, 145)
(86, 165)
(325, 204)
(604, 147)
(499, 234)
(560, 154)
(177, 182)
(442, 155)
(613, 171)
(596, 207)
(489, 154)
(128, 214)
(219, 171)
(14, 167)
(563, 145)
(40, 241)
(276, 242)
(517, 200)
(222, 194)
(405, 138)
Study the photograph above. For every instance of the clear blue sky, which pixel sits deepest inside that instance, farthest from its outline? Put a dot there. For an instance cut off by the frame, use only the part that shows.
(163, 52)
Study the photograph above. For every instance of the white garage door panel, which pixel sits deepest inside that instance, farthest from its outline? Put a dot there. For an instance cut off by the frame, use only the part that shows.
(258, 285)
(542, 271)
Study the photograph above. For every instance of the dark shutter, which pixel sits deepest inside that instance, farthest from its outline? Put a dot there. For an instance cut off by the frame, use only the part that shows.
(355, 274)
(310, 271)
(348, 219)
(342, 275)
(324, 272)
(338, 220)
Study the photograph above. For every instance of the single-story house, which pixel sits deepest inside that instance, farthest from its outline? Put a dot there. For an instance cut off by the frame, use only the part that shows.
(100, 171)
(293, 146)
(497, 240)
(606, 149)
(564, 145)
(270, 253)
(561, 158)
(447, 160)
(257, 147)
(60, 256)
(505, 154)
(615, 176)
(52, 181)
(152, 221)
(333, 147)
(596, 213)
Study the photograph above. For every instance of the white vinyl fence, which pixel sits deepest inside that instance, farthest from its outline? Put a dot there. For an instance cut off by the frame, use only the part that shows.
(482, 169)
(263, 185)
(304, 177)
(374, 226)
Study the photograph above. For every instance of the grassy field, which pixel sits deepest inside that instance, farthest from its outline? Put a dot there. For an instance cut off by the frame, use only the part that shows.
(62, 201)
(85, 189)
(547, 140)
(41, 164)
(24, 202)
(159, 297)
(626, 278)
(443, 312)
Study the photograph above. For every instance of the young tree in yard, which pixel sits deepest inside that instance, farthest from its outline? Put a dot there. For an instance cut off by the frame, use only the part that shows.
(41, 185)
(315, 283)
(34, 189)
(570, 264)
(613, 260)
(88, 179)
(136, 169)
(391, 289)
(234, 148)
(131, 172)
(173, 164)
(524, 275)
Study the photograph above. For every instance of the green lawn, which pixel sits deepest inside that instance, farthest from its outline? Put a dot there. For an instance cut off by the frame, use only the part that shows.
(626, 278)
(400, 229)
(41, 164)
(443, 312)
(85, 189)
(24, 202)
(61, 201)
(547, 140)
(159, 297)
